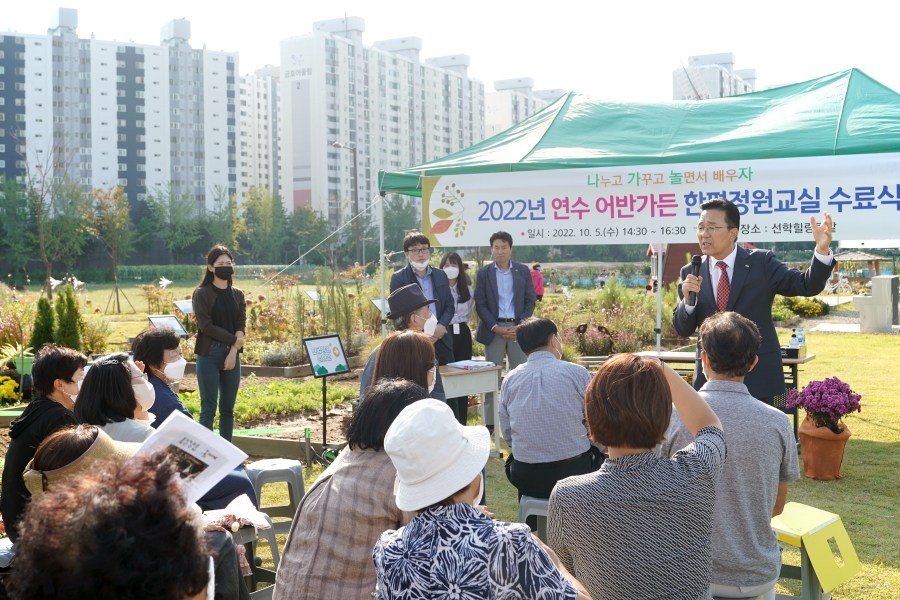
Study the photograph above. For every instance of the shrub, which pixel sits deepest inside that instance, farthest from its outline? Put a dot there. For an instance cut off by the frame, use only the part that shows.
(826, 402)
(284, 355)
(781, 312)
(43, 325)
(8, 390)
(68, 332)
(95, 332)
(806, 307)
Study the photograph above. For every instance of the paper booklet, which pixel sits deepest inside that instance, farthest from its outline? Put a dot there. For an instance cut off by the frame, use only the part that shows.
(471, 364)
(204, 458)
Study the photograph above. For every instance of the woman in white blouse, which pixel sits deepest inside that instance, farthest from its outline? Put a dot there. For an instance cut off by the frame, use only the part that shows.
(463, 298)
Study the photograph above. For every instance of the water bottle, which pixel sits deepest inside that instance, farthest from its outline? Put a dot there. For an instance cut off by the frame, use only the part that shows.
(801, 336)
(794, 343)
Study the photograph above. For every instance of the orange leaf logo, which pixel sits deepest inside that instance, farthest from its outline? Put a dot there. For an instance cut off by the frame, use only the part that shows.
(441, 226)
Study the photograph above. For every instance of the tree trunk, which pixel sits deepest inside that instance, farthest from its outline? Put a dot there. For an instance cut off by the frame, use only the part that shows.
(115, 267)
(47, 285)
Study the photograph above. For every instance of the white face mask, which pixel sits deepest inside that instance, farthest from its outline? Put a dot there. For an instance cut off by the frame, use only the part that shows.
(419, 266)
(433, 380)
(476, 501)
(430, 325)
(175, 370)
(144, 393)
(452, 272)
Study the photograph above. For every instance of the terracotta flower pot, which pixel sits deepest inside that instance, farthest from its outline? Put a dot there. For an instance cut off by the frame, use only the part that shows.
(823, 450)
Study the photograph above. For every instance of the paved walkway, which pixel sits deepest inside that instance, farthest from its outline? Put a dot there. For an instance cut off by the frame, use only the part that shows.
(844, 327)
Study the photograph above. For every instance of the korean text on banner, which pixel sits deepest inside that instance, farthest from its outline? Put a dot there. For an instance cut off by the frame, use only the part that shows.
(631, 205)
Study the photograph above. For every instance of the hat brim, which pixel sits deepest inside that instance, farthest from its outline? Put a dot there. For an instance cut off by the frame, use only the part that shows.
(442, 485)
(409, 311)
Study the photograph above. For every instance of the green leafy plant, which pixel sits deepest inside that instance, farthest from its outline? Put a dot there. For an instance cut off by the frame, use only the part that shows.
(44, 324)
(68, 331)
(95, 331)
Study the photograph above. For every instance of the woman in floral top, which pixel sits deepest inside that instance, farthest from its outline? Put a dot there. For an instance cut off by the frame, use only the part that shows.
(453, 548)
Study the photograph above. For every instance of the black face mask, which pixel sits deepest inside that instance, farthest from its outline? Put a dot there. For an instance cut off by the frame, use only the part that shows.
(224, 272)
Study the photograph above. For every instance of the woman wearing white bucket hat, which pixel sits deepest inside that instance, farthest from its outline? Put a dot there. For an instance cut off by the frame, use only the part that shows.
(452, 548)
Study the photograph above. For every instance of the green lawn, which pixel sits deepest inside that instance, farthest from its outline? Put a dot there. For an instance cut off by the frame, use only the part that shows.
(867, 498)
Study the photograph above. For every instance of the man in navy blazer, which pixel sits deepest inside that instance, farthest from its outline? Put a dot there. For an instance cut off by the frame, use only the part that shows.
(753, 279)
(435, 286)
(504, 297)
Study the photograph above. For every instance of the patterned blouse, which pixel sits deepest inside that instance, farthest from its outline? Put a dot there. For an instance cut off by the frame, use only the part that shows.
(457, 552)
(641, 526)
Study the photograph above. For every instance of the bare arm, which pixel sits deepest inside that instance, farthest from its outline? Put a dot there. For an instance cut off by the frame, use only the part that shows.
(693, 410)
(780, 499)
(582, 593)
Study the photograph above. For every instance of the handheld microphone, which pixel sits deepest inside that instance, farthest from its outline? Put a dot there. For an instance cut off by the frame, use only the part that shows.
(696, 261)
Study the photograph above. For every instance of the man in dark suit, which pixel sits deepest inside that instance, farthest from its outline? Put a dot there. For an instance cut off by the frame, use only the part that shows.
(435, 286)
(749, 285)
(504, 297)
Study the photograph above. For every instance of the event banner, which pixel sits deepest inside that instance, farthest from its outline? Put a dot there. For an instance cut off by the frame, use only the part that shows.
(631, 205)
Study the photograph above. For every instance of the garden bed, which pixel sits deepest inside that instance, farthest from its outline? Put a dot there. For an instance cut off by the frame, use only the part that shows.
(282, 372)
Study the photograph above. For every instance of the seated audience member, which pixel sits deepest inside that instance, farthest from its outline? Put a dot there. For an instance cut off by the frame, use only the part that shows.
(76, 450)
(542, 414)
(160, 350)
(134, 537)
(405, 355)
(762, 459)
(408, 310)
(116, 398)
(641, 526)
(328, 553)
(452, 548)
(57, 374)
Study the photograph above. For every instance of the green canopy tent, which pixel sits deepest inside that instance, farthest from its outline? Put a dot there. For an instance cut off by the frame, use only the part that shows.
(839, 114)
(845, 114)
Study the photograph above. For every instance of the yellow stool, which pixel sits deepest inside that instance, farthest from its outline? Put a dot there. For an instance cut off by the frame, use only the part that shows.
(811, 529)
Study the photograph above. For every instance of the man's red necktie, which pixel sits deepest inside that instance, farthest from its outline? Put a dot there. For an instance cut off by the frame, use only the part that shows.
(724, 287)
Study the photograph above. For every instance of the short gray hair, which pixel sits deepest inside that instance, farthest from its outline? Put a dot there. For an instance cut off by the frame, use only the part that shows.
(401, 322)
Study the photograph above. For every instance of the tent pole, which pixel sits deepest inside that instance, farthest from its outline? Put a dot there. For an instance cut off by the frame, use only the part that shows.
(381, 236)
(659, 268)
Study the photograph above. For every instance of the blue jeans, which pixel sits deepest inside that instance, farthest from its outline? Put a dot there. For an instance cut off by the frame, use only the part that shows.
(218, 388)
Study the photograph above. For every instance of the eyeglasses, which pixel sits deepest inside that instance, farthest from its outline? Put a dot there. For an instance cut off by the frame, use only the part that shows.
(711, 230)
(424, 250)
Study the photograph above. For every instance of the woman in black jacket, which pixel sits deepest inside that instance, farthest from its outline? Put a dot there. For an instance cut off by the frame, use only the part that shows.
(57, 376)
(221, 319)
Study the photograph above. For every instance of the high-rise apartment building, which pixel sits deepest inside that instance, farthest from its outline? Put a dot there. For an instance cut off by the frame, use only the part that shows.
(260, 134)
(396, 109)
(513, 101)
(711, 76)
(114, 113)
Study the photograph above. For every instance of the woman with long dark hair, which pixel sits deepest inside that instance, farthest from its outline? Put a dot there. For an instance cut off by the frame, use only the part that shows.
(461, 290)
(221, 313)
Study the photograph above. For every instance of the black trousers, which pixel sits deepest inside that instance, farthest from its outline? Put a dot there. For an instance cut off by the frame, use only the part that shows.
(462, 350)
(538, 479)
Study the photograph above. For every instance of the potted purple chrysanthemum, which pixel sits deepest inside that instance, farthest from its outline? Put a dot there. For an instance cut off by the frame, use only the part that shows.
(822, 434)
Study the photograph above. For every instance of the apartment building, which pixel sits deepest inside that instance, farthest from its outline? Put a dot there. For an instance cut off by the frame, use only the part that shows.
(394, 107)
(513, 101)
(119, 113)
(711, 76)
(260, 135)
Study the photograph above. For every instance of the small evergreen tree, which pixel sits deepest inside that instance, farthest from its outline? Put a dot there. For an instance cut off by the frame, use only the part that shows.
(67, 318)
(43, 325)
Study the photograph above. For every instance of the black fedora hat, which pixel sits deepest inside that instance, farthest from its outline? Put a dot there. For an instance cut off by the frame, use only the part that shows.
(405, 300)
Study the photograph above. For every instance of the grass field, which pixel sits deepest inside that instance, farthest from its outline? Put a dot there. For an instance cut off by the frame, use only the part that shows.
(867, 499)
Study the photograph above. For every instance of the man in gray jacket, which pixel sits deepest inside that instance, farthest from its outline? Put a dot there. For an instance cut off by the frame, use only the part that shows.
(761, 460)
(504, 297)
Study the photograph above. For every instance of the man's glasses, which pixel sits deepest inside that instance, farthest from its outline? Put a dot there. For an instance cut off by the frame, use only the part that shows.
(711, 230)
(419, 251)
